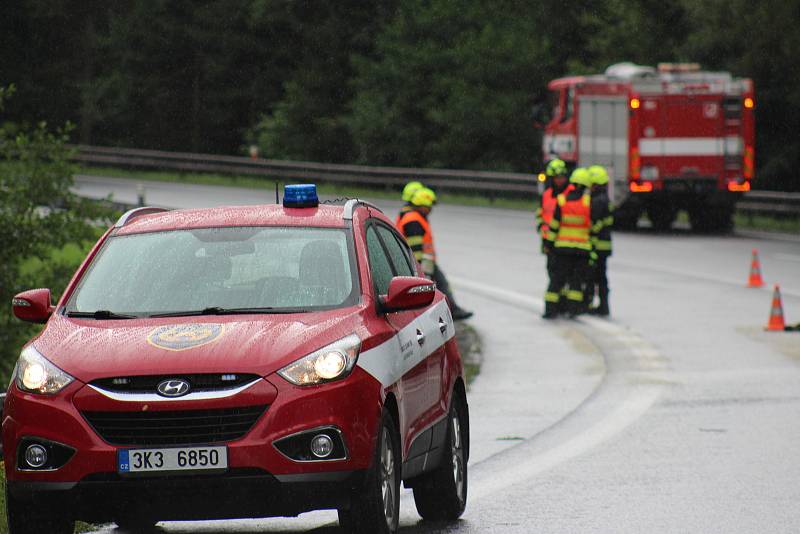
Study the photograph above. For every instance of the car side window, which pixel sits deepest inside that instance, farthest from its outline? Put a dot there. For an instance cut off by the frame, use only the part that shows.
(397, 252)
(379, 264)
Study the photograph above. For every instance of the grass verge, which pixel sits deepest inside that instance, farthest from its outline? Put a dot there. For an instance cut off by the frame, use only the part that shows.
(470, 347)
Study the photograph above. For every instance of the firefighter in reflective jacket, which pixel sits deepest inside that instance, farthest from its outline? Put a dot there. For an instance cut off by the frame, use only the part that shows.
(408, 192)
(570, 238)
(556, 172)
(414, 226)
(603, 215)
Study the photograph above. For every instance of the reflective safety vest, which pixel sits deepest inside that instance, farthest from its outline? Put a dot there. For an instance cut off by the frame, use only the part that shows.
(576, 223)
(548, 208)
(421, 245)
(403, 210)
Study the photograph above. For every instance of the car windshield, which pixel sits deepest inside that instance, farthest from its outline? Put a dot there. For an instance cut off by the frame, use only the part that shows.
(219, 270)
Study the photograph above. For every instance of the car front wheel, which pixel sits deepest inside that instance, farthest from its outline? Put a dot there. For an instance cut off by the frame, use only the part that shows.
(376, 510)
(442, 494)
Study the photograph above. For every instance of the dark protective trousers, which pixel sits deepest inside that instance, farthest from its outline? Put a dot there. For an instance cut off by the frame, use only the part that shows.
(599, 285)
(444, 286)
(569, 271)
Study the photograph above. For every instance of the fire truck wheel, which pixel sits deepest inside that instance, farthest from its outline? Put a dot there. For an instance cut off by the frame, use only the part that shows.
(442, 494)
(661, 218)
(707, 219)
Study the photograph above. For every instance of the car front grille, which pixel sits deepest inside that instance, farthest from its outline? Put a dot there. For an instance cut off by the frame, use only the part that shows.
(184, 427)
(198, 382)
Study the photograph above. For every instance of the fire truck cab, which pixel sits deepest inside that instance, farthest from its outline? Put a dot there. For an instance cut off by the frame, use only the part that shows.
(672, 138)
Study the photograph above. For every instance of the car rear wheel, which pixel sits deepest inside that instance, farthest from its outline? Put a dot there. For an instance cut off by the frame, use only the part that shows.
(36, 517)
(376, 509)
(442, 494)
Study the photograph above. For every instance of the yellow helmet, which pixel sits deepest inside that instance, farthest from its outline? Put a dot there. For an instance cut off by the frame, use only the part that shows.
(424, 197)
(410, 189)
(581, 176)
(556, 167)
(598, 174)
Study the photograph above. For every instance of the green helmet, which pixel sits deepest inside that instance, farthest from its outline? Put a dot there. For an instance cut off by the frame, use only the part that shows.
(598, 174)
(556, 167)
(581, 176)
(424, 197)
(410, 189)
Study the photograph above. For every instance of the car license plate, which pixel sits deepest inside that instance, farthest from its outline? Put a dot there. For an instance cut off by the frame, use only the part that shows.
(172, 459)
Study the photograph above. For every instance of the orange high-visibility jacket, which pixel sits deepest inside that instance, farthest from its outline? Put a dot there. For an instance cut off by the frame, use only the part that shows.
(417, 231)
(572, 223)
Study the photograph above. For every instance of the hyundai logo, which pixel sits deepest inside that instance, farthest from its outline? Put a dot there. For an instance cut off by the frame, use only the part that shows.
(173, 387)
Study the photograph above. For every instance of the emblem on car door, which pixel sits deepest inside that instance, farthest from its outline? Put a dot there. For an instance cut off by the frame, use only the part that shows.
(174, 387)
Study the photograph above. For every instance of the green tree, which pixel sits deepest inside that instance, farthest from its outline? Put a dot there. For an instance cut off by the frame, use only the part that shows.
(308, 122)
(452, 83)
(37, 213)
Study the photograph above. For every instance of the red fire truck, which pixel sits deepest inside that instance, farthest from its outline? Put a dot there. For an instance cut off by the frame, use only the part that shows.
(672, 138)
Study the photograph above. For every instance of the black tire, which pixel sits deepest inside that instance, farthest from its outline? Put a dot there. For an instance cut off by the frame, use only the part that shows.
(714, 220)
(442, 493)
(35, 518)
(376, 509)
(661, 218)
(136, 523)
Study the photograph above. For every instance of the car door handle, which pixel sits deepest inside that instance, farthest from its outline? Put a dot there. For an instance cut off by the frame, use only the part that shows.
(420, 337)
(442, 326)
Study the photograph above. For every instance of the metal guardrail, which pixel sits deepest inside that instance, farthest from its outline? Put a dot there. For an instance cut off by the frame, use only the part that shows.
(490, 184)
(772, 203)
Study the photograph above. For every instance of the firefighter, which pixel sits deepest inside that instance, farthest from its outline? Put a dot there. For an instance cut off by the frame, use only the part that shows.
(408, 192)
(558, 182)
(570, 238)
(603, 217)
(414, 226)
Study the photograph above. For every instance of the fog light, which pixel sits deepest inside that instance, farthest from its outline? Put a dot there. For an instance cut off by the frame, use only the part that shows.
(321, 446)
(36, 456)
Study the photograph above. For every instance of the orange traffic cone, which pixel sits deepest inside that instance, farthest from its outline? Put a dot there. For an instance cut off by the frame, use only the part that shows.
(776, 312)
(755, 279)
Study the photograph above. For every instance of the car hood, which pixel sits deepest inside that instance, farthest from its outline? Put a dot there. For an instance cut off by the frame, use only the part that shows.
(260, 344)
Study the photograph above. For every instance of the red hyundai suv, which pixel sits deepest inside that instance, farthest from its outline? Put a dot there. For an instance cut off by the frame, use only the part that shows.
(238, 362)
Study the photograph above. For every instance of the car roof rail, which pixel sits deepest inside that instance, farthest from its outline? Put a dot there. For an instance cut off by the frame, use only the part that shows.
(353, 203)
(130, 215)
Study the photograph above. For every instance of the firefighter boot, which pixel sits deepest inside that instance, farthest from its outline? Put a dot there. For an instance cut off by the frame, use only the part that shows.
(552, 305)
(602, 308)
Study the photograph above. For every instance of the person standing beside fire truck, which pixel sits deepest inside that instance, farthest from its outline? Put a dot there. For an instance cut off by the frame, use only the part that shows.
(570, 239)
(556, 172)
(603, 217)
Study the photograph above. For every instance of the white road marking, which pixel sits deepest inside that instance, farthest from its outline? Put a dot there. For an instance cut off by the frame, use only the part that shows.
(648, 367)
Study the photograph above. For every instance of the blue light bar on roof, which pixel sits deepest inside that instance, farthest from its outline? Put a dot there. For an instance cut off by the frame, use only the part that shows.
(300, 196)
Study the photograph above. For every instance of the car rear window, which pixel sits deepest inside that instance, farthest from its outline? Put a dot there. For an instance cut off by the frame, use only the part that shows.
(234, 267)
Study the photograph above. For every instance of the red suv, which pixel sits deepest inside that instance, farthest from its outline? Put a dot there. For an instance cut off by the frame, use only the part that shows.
(238, 362)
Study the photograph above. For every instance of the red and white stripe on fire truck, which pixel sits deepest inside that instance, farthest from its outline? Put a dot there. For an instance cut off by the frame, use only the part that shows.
(691, 146)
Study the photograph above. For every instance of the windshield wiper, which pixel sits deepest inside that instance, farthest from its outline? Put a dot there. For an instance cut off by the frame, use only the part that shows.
(100, 314)
(216, 310)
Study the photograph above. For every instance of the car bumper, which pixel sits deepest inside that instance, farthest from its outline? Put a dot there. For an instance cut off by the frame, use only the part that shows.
(238, 493)
(260, 480)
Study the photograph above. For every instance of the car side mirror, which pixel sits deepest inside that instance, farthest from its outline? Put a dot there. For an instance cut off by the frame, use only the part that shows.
(408, 293)
(33, 305)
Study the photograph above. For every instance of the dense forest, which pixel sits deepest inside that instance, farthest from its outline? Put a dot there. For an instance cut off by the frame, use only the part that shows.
(433, 83)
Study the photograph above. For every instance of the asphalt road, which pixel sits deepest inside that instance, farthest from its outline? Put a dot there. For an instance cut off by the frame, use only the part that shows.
(680, 414)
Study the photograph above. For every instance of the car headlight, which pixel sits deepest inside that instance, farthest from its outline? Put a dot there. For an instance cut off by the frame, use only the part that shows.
(328, 363)
(35, 374)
